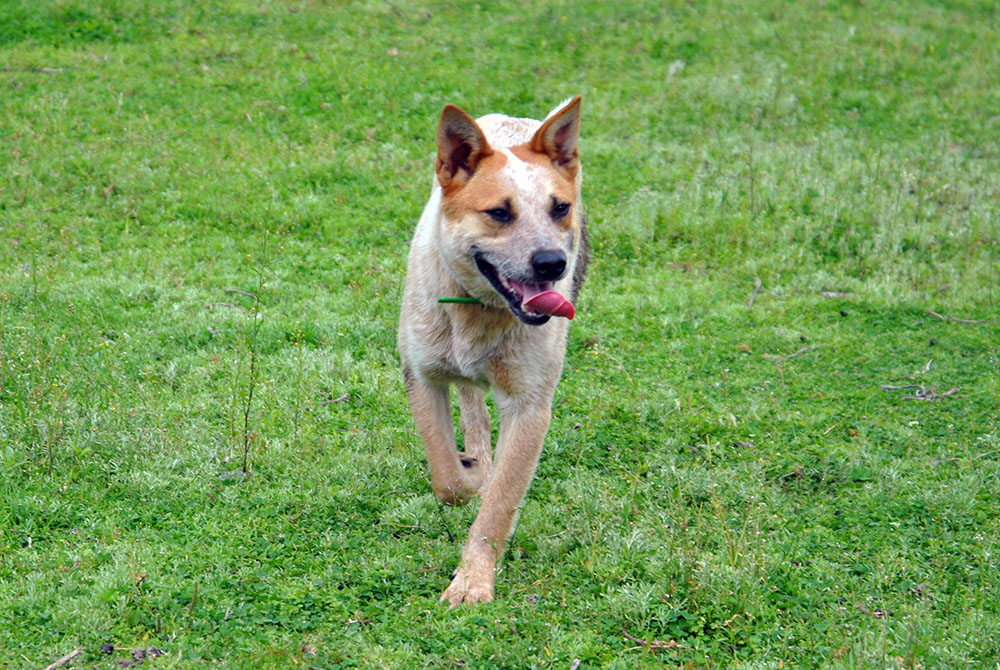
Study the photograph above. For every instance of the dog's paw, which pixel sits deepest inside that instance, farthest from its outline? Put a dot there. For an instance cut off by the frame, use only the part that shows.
(467, 588)
(464, 483)
(461, 485)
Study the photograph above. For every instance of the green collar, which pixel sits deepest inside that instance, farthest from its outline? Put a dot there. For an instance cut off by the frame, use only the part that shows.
(467, 301)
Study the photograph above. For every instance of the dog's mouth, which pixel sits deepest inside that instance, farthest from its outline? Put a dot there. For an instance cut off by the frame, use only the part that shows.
(532, 303)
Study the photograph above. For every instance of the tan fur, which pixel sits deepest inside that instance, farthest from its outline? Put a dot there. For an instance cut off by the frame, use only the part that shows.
(494, 162)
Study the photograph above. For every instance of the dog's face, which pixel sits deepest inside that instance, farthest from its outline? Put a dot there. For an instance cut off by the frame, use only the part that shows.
(511, 223)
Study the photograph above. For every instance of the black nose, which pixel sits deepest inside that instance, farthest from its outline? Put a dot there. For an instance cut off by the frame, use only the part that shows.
(548, 264)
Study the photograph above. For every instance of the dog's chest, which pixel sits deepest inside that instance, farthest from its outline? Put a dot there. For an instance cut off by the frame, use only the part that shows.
(467, 352)
(471, 354)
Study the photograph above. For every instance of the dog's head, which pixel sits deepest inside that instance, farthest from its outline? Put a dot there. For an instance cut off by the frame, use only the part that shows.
(511, 221)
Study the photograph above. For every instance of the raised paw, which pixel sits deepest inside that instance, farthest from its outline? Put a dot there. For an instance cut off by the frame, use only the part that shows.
(469, 588)
(459, 486)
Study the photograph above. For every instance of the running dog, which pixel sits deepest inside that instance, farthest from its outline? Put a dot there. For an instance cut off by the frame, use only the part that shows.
(504, 242)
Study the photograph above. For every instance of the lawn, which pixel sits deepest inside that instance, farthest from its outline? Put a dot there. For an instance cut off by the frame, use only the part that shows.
(205, 210)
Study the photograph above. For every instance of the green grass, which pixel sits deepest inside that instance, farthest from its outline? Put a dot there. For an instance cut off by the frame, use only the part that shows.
(732, 479)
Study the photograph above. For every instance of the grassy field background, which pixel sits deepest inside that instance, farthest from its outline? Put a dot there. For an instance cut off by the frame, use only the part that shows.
(205, 209)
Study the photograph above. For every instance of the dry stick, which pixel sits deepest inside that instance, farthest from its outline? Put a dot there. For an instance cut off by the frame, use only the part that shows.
(194, 598)
(922, 392)
(835, 424)
(246, 293)
(949, 317)
(252, 380)
(931, 394)
(576, 664)
(945, 460)
(835, 294)
(651, 644)
(974, 458)
(757, 286)
(65, 659)
(346, 396)
(779, 357)
(225, 304)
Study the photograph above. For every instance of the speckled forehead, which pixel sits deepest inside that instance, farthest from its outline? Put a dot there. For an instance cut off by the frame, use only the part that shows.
(523, 176)
(531, 173)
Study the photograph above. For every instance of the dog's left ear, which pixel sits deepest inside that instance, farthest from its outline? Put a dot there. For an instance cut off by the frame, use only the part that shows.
(557, 138)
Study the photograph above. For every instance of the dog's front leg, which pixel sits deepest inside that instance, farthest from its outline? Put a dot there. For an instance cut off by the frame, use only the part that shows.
(475, 424)
(453, 480)
(522, 430)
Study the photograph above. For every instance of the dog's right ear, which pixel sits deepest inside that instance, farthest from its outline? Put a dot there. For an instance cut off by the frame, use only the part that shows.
(461, 145)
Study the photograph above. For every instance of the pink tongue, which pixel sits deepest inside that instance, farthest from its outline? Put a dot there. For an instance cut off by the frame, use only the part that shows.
(551, 303)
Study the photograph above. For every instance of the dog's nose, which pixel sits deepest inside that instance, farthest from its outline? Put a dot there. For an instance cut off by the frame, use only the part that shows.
(548, 264)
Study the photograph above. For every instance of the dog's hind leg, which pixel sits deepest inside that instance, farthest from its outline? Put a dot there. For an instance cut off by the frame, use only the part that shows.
(453, 481)
(475, 424)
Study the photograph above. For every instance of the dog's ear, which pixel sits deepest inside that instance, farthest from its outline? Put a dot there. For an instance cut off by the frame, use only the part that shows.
(461, 145)
(557, 138)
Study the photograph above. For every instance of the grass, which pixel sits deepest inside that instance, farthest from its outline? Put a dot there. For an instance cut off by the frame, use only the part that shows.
(731, 479)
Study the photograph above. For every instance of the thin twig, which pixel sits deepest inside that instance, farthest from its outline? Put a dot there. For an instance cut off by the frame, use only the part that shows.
(931, 394)
(194, 599)
(945, 460)
(835, 424)
(246, 293)
(949, 317)
(65, 659)
(225, 304)
(799, 352)
(444, 522)
(779, 357)
(651, 644)
(757, 286)
(925, 370)
(836, 294)
(334, 401)
(922, 392)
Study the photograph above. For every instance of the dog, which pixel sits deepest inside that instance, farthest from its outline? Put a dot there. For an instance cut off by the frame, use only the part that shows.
(503, 240)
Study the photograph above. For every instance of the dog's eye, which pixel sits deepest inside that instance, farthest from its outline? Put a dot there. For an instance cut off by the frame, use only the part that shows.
(560, 209)
(500, 214)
